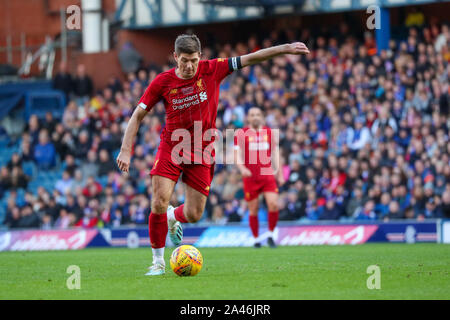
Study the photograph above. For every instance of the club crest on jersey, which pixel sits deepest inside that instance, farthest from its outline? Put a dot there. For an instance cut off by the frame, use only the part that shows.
(200, 85)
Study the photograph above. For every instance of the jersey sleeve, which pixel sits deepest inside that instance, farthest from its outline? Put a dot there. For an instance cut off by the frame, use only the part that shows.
(151, 96)
(222, 67)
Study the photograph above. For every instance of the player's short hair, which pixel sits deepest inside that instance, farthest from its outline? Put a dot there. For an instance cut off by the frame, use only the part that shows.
(256, 107)
(187, 43)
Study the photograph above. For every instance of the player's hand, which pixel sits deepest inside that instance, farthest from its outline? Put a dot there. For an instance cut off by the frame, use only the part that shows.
(246, 173)
(297, 48)
(123, 161)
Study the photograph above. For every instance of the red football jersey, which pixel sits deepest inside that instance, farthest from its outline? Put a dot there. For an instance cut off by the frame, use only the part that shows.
(256, 146)
(188, 101)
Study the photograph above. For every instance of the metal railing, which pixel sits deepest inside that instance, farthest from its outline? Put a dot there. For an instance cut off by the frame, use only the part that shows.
(45, 53)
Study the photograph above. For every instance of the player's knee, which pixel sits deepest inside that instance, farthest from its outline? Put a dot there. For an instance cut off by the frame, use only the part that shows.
(159, 204)
(253, 213)
(272, 206)
(194, 215)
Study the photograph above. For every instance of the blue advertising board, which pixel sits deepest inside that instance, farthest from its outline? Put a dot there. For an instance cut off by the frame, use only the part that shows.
(405, 232)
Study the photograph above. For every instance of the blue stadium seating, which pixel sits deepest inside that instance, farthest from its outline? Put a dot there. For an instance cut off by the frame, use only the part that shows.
(41, 102)
(38, 97)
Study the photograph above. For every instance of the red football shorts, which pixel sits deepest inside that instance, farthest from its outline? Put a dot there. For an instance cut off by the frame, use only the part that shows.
(254, 186)
(197, 176)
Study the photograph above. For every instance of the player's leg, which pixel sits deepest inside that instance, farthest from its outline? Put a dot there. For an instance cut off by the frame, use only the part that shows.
(252, 190)
(253, 220)
(162, 189)
(272, 207)
(194, 204)
(197, 179)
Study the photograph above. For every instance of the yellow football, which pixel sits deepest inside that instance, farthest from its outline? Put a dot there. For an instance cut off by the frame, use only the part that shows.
(186, 260)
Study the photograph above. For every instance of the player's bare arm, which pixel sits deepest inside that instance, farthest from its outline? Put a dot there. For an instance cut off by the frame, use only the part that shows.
(123, 159)
(276, 165)
(296, 48)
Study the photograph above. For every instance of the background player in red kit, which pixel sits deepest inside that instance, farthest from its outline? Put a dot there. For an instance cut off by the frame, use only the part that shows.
(190, 93)
(257, 155)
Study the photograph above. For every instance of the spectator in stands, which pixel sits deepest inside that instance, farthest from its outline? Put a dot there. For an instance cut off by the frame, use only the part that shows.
(44, 152)
(12, 217)
(394, 212)
(18, 180)
(4, 180)
(331, 210)
(46, 222)
(16, 161)
(442, 39)
(70, 165)
(432, 209)
(361, 135)
(120, 209)
(64, 221)
(91, 214)
(82, 86)
(26, 150)
(218, 216)
(33, 129)
(63, 80)
(78, 182)
(83, 145)
(142, 211)
(446, 204)
(49, 122)
(129, 58)
(105, 164)
(28, 218)
(367, 212)
(90, 168)
(92, 189)
(64, 185)
(292, 208)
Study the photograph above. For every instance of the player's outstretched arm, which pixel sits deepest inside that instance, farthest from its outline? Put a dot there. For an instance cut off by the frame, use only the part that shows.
(259, 56)
(123, 159)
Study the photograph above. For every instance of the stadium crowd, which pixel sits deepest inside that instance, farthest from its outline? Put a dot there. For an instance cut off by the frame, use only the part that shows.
(364, 136)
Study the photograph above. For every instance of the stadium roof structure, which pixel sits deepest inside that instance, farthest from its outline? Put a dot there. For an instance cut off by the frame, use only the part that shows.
(149, 14)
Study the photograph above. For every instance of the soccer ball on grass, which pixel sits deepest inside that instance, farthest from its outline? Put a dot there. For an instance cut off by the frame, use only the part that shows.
(186, 260)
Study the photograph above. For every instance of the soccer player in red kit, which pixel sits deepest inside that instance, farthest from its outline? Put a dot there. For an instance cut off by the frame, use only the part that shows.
(190, 93)
(257, 156)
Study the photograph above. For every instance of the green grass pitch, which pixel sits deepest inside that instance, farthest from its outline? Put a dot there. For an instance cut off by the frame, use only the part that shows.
(419, 271)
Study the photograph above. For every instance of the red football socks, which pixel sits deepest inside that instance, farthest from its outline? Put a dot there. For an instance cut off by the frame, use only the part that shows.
(179, 215)
(273, 219)
(157, 230)
(254, 225)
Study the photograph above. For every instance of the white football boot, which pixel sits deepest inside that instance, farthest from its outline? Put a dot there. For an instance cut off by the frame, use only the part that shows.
(158, 268)
(175, 228)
